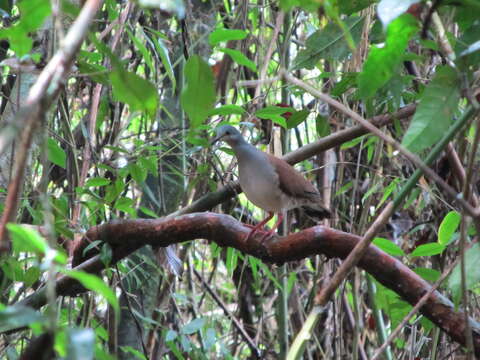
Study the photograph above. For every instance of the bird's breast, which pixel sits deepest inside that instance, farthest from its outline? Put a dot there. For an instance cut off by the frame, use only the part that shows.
(259, 182)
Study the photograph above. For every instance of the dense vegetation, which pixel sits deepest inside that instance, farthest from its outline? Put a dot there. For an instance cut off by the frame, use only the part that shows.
(107, 111)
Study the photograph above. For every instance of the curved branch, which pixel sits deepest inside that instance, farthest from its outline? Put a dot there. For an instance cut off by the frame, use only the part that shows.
(128, 235)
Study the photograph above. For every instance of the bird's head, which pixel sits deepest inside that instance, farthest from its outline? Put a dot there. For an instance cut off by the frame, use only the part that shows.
(228, 134)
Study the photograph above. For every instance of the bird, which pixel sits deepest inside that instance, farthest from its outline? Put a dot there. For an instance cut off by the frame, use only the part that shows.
(270, 182)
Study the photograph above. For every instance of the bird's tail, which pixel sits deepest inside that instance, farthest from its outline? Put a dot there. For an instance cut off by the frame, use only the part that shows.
(317, 211)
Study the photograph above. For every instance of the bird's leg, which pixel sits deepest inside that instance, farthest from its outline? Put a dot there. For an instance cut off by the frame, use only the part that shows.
(261, 224)
(271, 232)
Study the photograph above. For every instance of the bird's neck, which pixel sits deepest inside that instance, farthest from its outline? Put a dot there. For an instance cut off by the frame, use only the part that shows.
(244, 151)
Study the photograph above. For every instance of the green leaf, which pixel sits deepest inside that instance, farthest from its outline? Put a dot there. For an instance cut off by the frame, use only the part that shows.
(431, 275)
(32, 15)
(27, 240)
(162, 51)
(97, 181)
(146, 55)
(220, 35)
(95, 284)
(171, 335)
(56, 154)
(383, 62)
(297, 118)
(131, 89)
(139, 173)
(389, 10)
(472, 259)
(435, 112)
(193, 326)
(240, 58)
(227, 110)
(274, 113)
(328, 43)
(448, 226)
(388, 246)
(322, 125)
(17, 316)
(352, 6)
(428, 250)
(198, 96)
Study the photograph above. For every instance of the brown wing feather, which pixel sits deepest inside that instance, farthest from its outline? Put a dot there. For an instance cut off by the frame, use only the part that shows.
(292, 182)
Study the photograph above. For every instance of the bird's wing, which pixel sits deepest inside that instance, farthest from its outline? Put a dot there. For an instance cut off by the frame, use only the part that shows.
(292, 182)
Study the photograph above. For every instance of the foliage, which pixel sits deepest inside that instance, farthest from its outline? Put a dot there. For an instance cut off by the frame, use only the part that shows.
(128, 138)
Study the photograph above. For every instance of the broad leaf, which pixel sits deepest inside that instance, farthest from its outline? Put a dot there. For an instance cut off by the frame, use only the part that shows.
(240, 58)
(138, 93)
(448, 227)
(388, 246)
(435, 112)
(95, 284)
(193, 326)
(56, 154)
(97, 181)
(17, 316)
(274, 113)
(220, 35)
(328, 43)
(472, 259)
(227, 110)
(198, 96)
(383, 62)
(428, 250)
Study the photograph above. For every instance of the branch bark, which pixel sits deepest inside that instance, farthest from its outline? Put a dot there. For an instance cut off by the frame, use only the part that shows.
(128, 235)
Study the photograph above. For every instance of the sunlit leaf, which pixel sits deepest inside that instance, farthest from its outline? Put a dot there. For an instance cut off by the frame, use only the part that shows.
(383, 62)
(328, 43)
(429, 249)
(18, 316)
(434, 114)
(448, 226)
(220, 35)
(240, 58)
(56, 154)
(95, 284)
(388, 246)
(472, 259)
(138, 93)
(198, 96)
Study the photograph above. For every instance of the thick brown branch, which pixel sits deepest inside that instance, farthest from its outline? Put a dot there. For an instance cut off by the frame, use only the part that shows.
(129, 235)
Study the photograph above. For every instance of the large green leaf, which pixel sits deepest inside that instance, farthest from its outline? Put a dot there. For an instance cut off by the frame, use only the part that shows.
(274, 113)
(56, 154)
(17, 316)
(26, 239)
(198, 96)
(435, 112)
(383, 62)
(472, 259)
(328, 43)
(448, 227)
(94, 283)
(220, 35)
(240, 58)
(32, 15)
(352, 6)
(138, 93)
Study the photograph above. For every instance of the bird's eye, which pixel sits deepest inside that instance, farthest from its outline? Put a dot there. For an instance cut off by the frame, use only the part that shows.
(227, 133)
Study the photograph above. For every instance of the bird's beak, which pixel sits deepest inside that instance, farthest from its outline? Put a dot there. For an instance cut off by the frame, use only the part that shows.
(215, 139)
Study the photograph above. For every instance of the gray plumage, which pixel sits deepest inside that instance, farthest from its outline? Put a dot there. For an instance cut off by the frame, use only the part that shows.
(269, 182)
